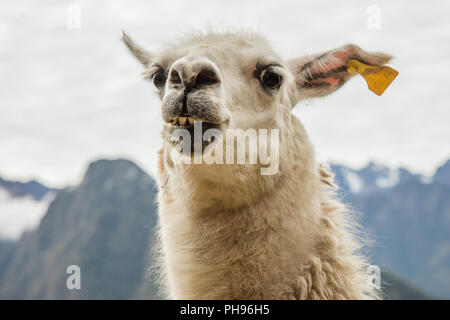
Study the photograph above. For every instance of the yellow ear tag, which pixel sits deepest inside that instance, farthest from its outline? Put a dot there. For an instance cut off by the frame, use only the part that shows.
(377, 78)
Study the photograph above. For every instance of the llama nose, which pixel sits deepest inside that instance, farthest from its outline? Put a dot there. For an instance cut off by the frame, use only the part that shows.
(194, 76)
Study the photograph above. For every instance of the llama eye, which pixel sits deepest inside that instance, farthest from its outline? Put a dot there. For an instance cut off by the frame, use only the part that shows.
(159, 79)
(270, 79)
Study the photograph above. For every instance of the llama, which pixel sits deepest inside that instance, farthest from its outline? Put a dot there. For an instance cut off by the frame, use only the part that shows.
(227, 231)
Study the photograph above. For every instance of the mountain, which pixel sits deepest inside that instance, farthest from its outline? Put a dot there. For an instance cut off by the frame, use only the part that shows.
(372, 178)
(32, 188)
(6, 251)
(106, 227)
(103, 226)
(22, 205)
(442, 174)
(395, 288)
(408, 219)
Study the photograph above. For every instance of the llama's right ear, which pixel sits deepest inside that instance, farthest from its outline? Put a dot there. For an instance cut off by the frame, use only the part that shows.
(141, 54)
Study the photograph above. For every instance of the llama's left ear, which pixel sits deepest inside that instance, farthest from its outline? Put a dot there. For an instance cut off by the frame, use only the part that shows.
(323, 74)
(141, 54)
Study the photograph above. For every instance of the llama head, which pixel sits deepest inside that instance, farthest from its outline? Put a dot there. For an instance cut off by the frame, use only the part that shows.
(235, 80)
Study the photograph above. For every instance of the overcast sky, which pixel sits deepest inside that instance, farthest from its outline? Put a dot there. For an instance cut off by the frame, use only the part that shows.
(69, 95)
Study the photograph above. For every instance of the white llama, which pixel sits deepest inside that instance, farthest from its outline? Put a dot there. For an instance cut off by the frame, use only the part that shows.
(226, 231)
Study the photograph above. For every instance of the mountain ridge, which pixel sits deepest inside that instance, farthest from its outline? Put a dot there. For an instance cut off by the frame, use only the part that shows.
(31, 188)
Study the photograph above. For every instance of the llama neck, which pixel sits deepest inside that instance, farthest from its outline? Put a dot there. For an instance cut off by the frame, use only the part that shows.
(276, 237)
(261, 230)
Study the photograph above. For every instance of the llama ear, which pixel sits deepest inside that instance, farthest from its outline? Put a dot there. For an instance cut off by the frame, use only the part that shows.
(141, 54)
(320, 75)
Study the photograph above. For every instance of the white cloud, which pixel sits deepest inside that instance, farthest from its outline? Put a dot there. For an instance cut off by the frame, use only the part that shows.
(18, 214)
(70, 96)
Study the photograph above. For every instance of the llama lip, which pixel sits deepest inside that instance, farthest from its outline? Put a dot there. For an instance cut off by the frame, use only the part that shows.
(192, 133)
(186, 122)
(192, 126)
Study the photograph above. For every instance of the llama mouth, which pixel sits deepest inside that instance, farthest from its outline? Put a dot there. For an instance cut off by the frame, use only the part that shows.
(191, 132)
(189, 123)
(183, 121)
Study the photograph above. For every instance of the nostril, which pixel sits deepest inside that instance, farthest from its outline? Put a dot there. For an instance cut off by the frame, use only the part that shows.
(207, 77)
(174, 77)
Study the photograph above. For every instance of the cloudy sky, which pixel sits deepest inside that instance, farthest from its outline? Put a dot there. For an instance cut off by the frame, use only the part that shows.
(70, 93)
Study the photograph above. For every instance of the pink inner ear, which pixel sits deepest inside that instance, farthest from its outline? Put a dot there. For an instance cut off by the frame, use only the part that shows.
(331, 62)
(334, 60)
(331, 81)
(342, 55)
(328, 69)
